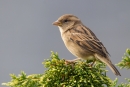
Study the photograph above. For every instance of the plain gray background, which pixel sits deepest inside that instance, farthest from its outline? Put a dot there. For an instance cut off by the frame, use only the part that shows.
(27, 35)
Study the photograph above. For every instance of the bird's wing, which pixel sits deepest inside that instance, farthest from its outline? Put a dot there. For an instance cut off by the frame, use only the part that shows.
(87, 40)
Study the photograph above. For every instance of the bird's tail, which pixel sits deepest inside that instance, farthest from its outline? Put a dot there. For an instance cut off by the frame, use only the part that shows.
(109, 63)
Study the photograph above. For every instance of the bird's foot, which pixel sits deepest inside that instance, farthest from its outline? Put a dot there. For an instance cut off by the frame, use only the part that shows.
(71, 61)
(92, 63)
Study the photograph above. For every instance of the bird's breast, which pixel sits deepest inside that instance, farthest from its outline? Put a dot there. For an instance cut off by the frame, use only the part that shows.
(75, 49)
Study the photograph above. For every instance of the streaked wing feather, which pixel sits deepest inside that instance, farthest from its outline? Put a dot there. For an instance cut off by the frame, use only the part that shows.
(88, 41)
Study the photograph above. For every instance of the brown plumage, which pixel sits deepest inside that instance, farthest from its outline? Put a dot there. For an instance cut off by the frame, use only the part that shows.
(81, 41)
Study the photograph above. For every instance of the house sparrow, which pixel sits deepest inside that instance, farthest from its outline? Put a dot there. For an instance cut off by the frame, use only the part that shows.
(81, 41)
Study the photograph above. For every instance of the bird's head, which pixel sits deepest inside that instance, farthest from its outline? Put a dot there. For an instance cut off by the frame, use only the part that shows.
(66, 21)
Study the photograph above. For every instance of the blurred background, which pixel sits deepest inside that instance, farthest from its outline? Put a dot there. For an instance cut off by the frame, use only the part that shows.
(27, 35)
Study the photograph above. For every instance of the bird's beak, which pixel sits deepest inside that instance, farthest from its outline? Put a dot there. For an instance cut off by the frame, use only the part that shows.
(57, 23)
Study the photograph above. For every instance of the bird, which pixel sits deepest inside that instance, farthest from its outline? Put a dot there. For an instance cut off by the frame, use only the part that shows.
(82, 42)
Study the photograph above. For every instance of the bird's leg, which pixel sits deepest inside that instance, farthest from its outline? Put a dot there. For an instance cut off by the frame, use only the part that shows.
(72, 61)
(93, 63)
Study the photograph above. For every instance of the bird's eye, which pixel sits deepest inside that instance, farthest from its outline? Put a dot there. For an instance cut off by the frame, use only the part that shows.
(66, 20)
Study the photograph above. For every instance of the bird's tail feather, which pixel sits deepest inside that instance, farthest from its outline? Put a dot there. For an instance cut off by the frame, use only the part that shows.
(109, 63)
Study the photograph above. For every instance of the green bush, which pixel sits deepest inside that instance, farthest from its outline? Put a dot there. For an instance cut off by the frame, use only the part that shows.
(59, 73)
